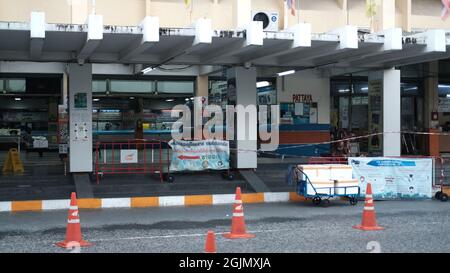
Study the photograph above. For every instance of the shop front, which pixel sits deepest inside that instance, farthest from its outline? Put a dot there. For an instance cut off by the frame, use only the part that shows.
(354, 115)
(29, 112)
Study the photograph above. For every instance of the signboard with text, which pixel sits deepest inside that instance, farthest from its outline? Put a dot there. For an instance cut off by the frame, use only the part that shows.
(199, 155)
(394, 178)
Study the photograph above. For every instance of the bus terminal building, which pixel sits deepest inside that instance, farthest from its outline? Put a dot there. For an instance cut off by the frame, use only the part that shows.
(80, 80)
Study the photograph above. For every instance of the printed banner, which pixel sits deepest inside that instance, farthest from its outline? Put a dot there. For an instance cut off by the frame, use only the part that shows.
(199, 155)
(393, 178)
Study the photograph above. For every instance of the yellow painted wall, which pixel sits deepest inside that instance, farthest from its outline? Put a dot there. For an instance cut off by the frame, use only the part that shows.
(57, 11)
(324, 15)
(120, 12)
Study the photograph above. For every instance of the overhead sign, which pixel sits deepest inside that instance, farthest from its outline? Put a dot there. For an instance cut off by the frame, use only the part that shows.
(302, 98)
(393, 178)
(199, 155)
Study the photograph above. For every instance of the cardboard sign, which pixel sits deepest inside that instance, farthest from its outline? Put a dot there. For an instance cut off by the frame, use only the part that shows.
(128, 156)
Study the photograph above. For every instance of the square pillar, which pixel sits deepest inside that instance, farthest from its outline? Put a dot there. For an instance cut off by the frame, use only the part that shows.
(242, 93)
(385, 112)
(80, 118)
(385, 16)
(242, 13)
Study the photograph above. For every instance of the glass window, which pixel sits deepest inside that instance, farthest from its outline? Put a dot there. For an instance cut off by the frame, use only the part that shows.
(1, 85)
(361, 88)
(340, 88)
(16, 85)
(444, 90)
(409, 88)
(99, 86)
(128, 86)
(177, 87)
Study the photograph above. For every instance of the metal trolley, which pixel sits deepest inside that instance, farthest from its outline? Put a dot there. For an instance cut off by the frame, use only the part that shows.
(319, 195)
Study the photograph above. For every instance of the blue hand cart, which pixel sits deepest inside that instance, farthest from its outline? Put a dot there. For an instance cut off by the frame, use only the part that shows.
(319, 194)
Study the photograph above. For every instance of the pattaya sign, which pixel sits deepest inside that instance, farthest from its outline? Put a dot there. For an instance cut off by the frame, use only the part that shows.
(302, 98)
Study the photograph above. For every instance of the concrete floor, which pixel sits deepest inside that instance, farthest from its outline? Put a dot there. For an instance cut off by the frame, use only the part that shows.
(411, 226)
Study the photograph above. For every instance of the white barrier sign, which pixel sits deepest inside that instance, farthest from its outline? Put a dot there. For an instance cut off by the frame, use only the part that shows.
(129, 156)
(394, 178)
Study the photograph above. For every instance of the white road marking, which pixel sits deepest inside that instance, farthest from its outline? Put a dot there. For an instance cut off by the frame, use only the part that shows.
(178, 236)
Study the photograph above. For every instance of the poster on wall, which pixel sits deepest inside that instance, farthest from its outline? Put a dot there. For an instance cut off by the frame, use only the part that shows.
(375, 117)
(199, 155)
(393, 178)
(80, 100)
(444, 105)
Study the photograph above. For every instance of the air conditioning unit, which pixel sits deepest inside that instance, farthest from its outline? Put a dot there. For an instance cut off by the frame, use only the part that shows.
(270, 19)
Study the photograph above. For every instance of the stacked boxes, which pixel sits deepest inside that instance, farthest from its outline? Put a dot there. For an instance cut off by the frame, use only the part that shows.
(343, 180)
(319, 175)
(330, 179)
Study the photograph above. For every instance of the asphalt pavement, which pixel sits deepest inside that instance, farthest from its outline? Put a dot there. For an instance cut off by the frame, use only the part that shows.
(411, 226)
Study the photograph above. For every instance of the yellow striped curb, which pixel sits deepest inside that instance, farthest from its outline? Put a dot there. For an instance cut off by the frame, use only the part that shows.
(146, 202)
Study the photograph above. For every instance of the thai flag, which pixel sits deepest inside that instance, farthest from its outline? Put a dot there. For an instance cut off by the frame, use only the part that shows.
(445, 9)
(291, 6)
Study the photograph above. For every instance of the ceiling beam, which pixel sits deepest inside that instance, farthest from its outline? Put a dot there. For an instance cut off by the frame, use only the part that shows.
(150, 36)
(302, 39)
(37, 34)
(430, 41)
(202, 39)
(253, 39)
(348, 40)
(94, 37)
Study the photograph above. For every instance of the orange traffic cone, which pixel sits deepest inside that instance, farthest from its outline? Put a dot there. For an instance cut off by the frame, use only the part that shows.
(73, 232)
(210, 246)
(238, 223)
(369, 221)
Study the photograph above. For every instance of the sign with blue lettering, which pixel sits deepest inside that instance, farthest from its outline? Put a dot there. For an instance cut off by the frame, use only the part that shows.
(391, 163)
(393, 178)
(199, 155)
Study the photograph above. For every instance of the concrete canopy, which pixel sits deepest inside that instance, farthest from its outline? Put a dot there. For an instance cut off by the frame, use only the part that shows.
(150, 45)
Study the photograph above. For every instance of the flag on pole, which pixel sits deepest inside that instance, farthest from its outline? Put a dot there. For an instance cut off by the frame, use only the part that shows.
(188, 4)
(445, 10)
(291, 6)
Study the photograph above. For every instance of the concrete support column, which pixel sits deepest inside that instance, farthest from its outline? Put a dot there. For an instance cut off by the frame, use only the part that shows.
(405, 10)
(80, 116)
(391, 113)
(385, 111)
(343, 4)
(147, 7)
(202, 86)
(65, 89)
(201, 100)
(385, 17)
(79, 11)
(431, 96)
(242, 86)
(242, 13)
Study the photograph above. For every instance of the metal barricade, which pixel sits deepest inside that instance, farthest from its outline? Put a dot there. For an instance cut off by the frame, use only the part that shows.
(136, 156)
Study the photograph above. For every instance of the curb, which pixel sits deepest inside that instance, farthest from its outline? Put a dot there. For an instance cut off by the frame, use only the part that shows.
(145, 202)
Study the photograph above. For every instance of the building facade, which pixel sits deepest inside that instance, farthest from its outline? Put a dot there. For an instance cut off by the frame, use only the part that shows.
(354, 73)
